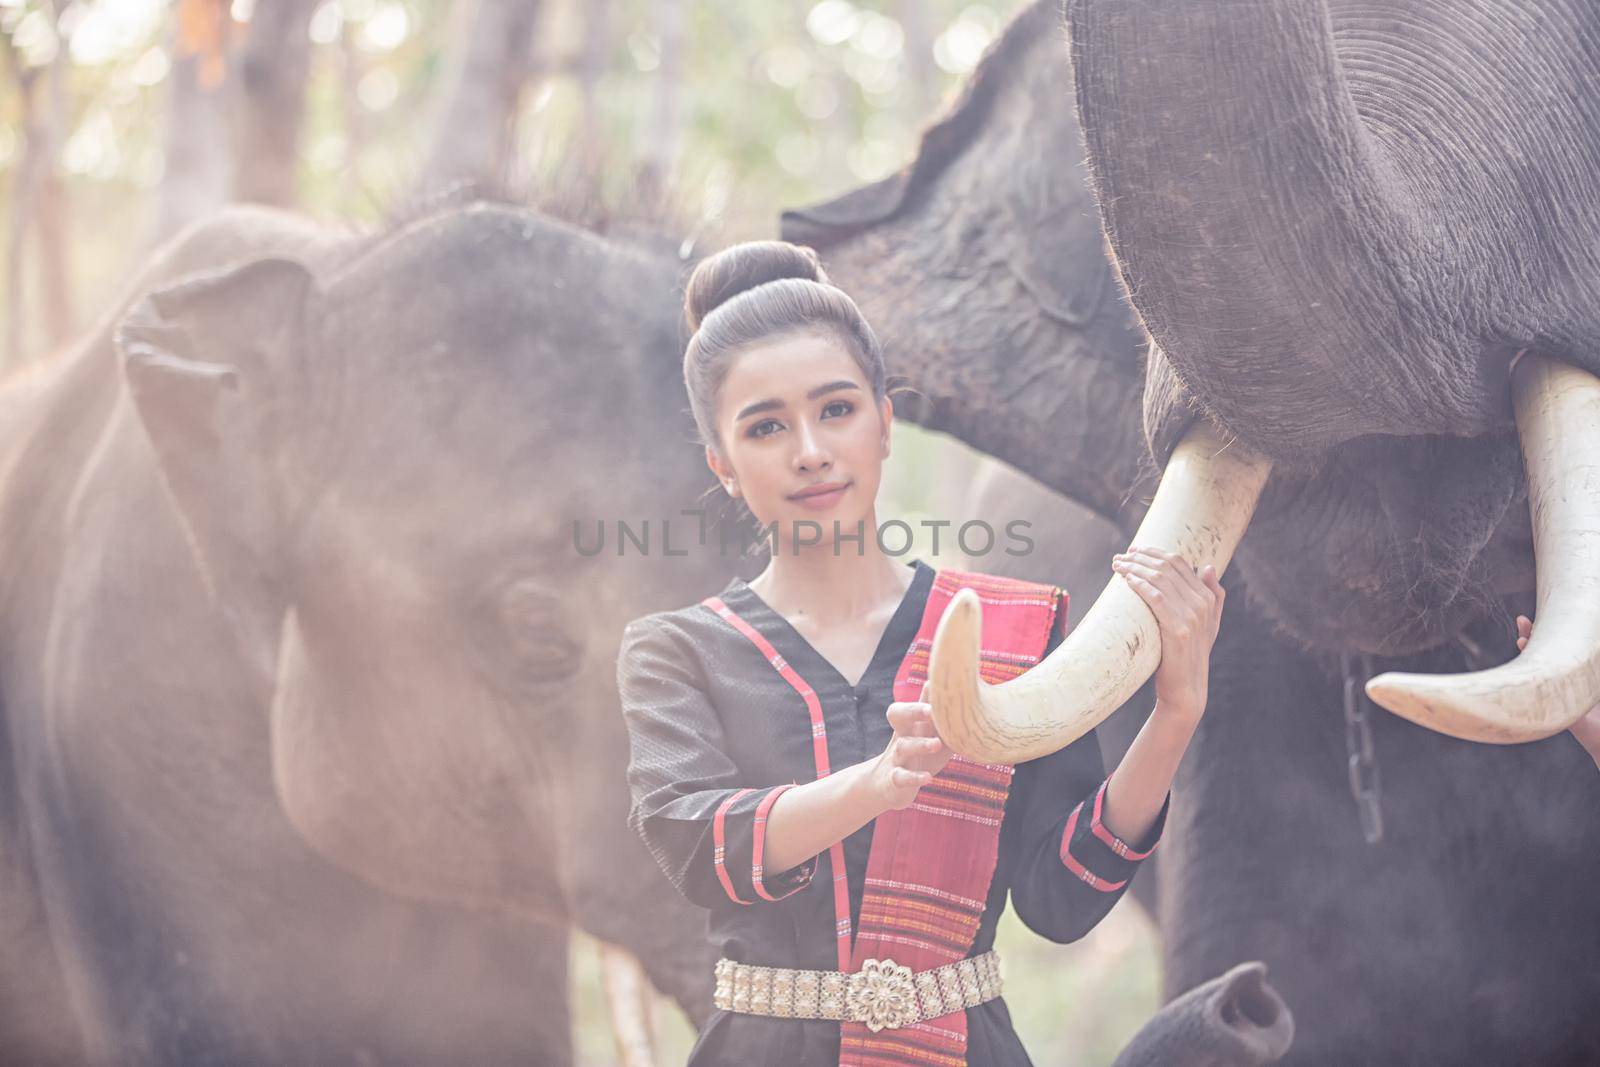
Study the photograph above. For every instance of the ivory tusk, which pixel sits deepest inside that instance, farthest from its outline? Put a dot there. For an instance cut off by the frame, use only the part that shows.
(1556, 680)
(627, 993)
(1206, 497)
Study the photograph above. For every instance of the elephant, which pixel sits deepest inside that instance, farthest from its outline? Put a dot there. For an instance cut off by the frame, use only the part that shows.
(311, 739)
(1394, 529)
(307, 691)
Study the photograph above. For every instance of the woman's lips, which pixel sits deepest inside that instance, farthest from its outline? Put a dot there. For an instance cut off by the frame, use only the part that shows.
(821, 501)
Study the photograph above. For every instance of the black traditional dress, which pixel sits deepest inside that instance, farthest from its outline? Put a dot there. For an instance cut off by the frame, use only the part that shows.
(710, 721)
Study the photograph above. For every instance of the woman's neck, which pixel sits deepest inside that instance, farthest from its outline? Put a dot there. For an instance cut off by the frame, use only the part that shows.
(829, 585)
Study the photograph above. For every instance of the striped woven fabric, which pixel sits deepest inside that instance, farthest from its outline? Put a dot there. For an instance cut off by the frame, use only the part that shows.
(931, 863)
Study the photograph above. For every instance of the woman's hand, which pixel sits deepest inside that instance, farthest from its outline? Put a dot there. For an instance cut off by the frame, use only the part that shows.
(813, 816)
(1586, 729)
(913, 756)
(1188, 608)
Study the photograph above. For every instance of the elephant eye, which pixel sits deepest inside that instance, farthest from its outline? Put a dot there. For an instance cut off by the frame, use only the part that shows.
(539, 640)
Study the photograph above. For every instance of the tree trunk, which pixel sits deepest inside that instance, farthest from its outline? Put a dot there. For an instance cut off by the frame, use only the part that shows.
(53, 232)
(492, 60)
(197, 175)
(273, 67)
(356, 127)
(663, 132)
(24, 198)
(38, 203)
(918, 26)
(591, 71)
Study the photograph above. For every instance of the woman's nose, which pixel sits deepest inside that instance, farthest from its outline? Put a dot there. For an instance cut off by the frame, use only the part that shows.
(812, 455)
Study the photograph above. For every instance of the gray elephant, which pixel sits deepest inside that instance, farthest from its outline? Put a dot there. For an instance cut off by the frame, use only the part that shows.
(311, 741)
(292, 610)
(1370, 364)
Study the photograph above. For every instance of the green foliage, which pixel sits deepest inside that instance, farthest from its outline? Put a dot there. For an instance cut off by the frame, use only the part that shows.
(783, 103)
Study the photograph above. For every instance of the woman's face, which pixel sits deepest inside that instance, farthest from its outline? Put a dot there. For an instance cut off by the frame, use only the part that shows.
(801, 437)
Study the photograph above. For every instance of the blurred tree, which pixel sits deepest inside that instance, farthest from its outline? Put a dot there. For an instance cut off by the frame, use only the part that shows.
(661, 132)
(917, 21)
(198, 171)
(38, 195)
(355, 118)
(273, 66)
(491, 65)
(593, 63)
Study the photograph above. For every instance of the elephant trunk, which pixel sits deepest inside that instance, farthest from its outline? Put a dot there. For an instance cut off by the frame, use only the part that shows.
(1557, 679)
(1263, 235)
(1207, 494)
(1237, 1020)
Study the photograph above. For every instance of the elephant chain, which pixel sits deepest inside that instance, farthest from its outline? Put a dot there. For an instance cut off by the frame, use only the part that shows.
(1358, 745)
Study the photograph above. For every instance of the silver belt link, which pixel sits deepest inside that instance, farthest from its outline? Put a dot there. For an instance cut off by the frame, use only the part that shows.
(882, 995)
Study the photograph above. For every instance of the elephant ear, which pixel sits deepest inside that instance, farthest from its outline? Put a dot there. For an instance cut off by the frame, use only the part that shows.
(214, 366)
(1047, 221)
(983, 268)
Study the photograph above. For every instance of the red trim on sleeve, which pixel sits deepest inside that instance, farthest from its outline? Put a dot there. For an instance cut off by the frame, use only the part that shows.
(819, 747)
(1112, 841)
(760, 842)
(720, 849)
(1079, 869)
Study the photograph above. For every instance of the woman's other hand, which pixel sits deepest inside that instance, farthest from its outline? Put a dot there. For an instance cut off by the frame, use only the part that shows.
(814, 816)
(1188, 609)
(913, 756)
(1586, 729)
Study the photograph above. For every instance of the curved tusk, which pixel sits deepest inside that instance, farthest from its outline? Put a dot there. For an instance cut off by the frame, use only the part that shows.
(1206, 497)
(627, 991)
(1557, 679)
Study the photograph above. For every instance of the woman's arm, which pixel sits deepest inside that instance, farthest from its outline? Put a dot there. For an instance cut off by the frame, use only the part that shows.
(1069, 870)
(808, 819)
(715, 837)
(700, 820)
(1188, 609)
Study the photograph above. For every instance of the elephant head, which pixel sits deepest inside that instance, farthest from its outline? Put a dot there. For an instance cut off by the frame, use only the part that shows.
(383, 467)
(1339, 231)
(1274, 250)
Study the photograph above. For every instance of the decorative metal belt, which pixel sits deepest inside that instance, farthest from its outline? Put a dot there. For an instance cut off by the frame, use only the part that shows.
(883, 994)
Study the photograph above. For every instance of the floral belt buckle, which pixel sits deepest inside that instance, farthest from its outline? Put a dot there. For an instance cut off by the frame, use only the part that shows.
(882, 995)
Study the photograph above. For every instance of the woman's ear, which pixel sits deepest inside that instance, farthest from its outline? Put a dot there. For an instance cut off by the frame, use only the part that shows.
(886, 417)
(724, 473)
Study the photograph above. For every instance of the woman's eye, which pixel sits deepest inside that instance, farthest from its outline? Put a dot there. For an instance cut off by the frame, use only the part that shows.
(837, 408)
(765, 428)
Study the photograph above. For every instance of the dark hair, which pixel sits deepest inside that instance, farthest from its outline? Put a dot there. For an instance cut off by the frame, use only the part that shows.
(757, 291)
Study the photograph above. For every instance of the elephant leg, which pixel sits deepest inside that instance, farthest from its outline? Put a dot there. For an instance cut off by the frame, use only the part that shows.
(37, 1025)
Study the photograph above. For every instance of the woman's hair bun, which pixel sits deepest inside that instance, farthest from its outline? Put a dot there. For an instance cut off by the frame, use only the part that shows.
(741, 267)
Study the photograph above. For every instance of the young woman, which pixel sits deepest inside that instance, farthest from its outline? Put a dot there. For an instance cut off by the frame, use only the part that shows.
(786, 774)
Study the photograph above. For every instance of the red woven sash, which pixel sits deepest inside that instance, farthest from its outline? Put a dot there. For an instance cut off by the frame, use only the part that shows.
(931, 863)
(929, 870)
